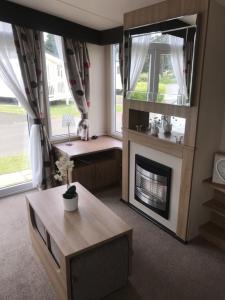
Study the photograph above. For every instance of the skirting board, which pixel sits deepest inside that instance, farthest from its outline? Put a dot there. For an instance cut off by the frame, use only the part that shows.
(154, 222)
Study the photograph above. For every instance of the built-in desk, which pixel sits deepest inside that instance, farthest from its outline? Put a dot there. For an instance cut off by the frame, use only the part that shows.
(97, 162)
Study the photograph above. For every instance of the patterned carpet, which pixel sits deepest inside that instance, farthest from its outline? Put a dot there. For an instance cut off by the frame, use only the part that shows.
(163, 268)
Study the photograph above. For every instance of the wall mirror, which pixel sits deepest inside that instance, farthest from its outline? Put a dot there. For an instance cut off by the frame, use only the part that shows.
(161, 60)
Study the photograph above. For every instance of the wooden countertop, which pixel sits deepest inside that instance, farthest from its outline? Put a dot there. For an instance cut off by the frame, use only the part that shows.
(102, 143)
(74, 232)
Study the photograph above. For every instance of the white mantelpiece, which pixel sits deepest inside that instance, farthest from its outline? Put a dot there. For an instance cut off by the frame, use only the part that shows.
(168, 160)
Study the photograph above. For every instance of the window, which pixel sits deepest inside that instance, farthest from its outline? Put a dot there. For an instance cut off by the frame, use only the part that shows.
(14, 157)
(117, 109)
(15, 171)
(157, 80)
(60, 99)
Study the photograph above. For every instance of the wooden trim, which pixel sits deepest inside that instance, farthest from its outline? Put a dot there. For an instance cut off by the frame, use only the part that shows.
(185, 190)
(125, 167)
(160, 108)
(162, 26)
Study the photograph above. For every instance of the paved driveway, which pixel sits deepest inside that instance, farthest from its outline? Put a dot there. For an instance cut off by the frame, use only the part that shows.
(13, 134)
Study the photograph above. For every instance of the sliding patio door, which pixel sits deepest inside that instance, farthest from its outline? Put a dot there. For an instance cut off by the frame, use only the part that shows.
(15, 170)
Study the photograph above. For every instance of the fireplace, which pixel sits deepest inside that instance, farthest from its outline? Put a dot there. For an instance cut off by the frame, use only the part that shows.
(152, 185)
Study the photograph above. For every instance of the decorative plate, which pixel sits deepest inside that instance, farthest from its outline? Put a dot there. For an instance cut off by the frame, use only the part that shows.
(220, 167)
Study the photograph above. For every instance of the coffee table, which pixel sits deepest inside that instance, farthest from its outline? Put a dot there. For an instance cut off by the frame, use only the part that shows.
(87, 253)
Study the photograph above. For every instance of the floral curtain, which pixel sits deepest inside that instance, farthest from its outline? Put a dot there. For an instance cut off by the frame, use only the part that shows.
(77, 66)
(121, 52)
(188, 56)
(177, 59)
(29, 49)
(124, 60)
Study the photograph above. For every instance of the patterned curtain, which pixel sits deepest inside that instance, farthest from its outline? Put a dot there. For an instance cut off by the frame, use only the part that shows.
(121, 60)
(188, 56)
(126, 62)
(77, 68)
(29, 49)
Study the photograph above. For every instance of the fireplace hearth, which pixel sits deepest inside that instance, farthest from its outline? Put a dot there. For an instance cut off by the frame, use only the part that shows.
(152, 185)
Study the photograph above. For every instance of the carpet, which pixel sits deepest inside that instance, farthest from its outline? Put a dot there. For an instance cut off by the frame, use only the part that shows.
(163, 268)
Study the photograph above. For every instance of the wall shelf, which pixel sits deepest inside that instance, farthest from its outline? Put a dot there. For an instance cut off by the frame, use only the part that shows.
(161, 137)
(216, 206)
(214, 234)
(214, 231)
(215, 186)
(163, 145)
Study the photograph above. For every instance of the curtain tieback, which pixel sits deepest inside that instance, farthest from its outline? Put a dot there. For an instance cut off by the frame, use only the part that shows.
(84, 116)
(36, 121)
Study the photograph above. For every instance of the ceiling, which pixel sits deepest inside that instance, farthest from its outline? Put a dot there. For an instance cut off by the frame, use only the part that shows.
(97, 14)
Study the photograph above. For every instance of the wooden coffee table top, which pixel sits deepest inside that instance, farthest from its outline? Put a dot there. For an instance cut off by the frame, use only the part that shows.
(74, 232)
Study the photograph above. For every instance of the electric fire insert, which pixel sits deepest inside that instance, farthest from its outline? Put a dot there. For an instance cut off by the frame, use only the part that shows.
(152, 185)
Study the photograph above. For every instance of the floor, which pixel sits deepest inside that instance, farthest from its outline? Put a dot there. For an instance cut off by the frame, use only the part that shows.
(163, 268)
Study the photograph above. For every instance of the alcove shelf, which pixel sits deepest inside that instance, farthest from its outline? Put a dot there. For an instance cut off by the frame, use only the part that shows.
(216, 206)
(160, 143)
(161, 136)
(214, 230)
(215, 186)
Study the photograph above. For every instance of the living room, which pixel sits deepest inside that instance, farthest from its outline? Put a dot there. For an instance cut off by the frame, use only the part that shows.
(112, 155)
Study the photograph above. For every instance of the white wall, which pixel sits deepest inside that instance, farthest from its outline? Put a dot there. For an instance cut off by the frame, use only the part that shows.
(222, 141)
(97, 110)
(109, 87)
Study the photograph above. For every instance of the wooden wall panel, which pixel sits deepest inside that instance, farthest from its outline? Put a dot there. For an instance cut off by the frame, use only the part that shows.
(185, 189)
(211, 114)
(156, 13)
(163, 11)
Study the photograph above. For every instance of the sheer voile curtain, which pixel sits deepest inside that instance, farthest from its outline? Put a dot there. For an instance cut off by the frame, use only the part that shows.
(132, 56)
(139, 51)
(10, 73)
(77, 66)
(177, 59)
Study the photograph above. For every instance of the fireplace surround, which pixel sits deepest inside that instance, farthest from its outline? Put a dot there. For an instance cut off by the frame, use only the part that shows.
(166, 214)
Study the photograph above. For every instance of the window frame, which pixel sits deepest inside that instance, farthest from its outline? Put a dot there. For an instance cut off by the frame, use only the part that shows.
(57, 138)
(155, 51)
(113, 131)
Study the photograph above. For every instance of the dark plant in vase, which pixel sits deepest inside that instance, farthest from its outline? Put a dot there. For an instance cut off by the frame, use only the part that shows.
(70, 193)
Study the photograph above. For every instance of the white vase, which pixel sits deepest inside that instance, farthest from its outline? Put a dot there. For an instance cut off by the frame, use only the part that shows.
(70, 204)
